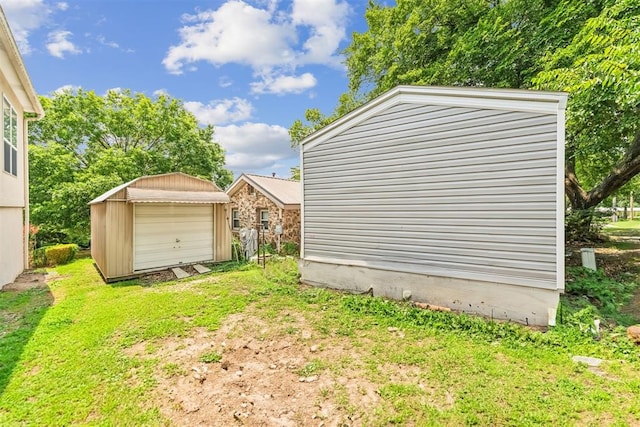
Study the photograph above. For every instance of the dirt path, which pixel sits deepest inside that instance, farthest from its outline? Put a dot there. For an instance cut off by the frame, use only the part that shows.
(30, 280)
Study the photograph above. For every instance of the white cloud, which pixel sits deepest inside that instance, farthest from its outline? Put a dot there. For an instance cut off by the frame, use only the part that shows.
(66, 89)
(116, 89)
(255, 146)
(161, 92)
(62, 5)
(272, 42)
(327, 22)
(220, 111)
(103, 41)
(284, 84)
(236, 32)
(58, 44)
(225, 81)
(25, 16)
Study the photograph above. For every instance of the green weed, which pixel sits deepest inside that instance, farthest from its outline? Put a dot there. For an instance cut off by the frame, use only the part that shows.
(594, 294)
(210, 357)
(311, 368)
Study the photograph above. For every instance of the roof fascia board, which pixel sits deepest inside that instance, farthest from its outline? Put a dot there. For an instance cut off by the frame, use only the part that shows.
(500, 99)
(246, 178)
(235, 185)
(351, 119)
(16, 61)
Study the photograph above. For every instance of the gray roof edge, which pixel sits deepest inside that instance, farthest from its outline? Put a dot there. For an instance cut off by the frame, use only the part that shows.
(247, 177)
(404, 92)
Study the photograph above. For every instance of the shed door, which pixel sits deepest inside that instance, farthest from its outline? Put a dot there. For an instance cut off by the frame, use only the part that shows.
(170, 234)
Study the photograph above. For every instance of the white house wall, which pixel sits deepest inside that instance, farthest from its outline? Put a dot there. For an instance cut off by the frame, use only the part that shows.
(12, 198)
(11, 244)
(449, 191)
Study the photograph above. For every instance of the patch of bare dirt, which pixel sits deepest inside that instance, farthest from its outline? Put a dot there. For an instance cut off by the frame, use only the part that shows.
(265, 377)
(165, 275)
(30, 280)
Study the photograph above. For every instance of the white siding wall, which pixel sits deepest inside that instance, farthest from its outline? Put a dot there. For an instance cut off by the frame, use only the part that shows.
(11, 244)
(442, 190)
(12, 198)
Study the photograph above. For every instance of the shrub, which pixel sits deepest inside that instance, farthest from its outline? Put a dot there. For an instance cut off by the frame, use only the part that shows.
(59, 254)
(266, 248)
(585, 225)
(39, 258)
(289, 249)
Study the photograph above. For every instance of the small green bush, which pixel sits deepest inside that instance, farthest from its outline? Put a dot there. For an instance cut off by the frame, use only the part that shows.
(60, 254)
(39, 258)
(289, 249)
(266, 248)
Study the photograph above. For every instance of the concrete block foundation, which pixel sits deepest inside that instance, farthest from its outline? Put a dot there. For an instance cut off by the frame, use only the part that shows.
(526, 305)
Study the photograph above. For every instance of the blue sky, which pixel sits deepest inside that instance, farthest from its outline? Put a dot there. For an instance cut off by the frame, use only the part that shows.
(249, 67)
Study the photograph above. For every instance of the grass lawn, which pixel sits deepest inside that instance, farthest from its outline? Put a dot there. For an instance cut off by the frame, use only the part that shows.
(83, 352)
(623, 228)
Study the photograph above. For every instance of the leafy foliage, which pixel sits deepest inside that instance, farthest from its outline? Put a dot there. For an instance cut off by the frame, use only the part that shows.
(87, 144)
(600, 68)
(599, 294)
(587, 48)
(290, 249)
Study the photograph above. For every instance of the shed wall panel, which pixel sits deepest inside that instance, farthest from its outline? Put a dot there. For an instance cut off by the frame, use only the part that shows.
(98, 235)
(119, 242)
(222, 233)
(438, 189)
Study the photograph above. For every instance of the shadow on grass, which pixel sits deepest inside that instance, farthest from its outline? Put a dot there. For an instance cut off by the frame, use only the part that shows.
(20, 314)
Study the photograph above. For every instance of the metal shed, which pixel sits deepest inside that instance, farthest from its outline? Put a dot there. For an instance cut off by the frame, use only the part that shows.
(454, 196)
(160, 221)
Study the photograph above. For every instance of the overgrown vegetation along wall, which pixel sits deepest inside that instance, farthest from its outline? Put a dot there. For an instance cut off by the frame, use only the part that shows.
(250, 203)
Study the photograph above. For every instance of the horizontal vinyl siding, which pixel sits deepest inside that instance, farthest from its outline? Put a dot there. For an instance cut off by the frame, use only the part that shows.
(438, 188)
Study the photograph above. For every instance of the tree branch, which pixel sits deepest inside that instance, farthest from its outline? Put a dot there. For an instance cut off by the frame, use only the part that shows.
(622, 173)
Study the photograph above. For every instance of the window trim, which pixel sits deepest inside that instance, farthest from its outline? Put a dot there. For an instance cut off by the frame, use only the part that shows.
(235, 216)
(10, 142)
(263, 221)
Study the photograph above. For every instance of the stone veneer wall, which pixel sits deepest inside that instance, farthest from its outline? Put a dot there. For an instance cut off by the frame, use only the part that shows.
(249, 207)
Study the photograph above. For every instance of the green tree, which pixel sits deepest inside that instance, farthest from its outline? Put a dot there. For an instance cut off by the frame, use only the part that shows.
(600, 69)
(87, 144)
(588, 48)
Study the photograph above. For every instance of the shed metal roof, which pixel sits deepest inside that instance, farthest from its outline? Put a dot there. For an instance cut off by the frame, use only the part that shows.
(138, 194)
(147, 195)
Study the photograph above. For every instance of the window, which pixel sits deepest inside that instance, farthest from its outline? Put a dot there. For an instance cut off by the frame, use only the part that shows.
(264, 219)
(10, 137)
(235, 218)
(251, 190)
